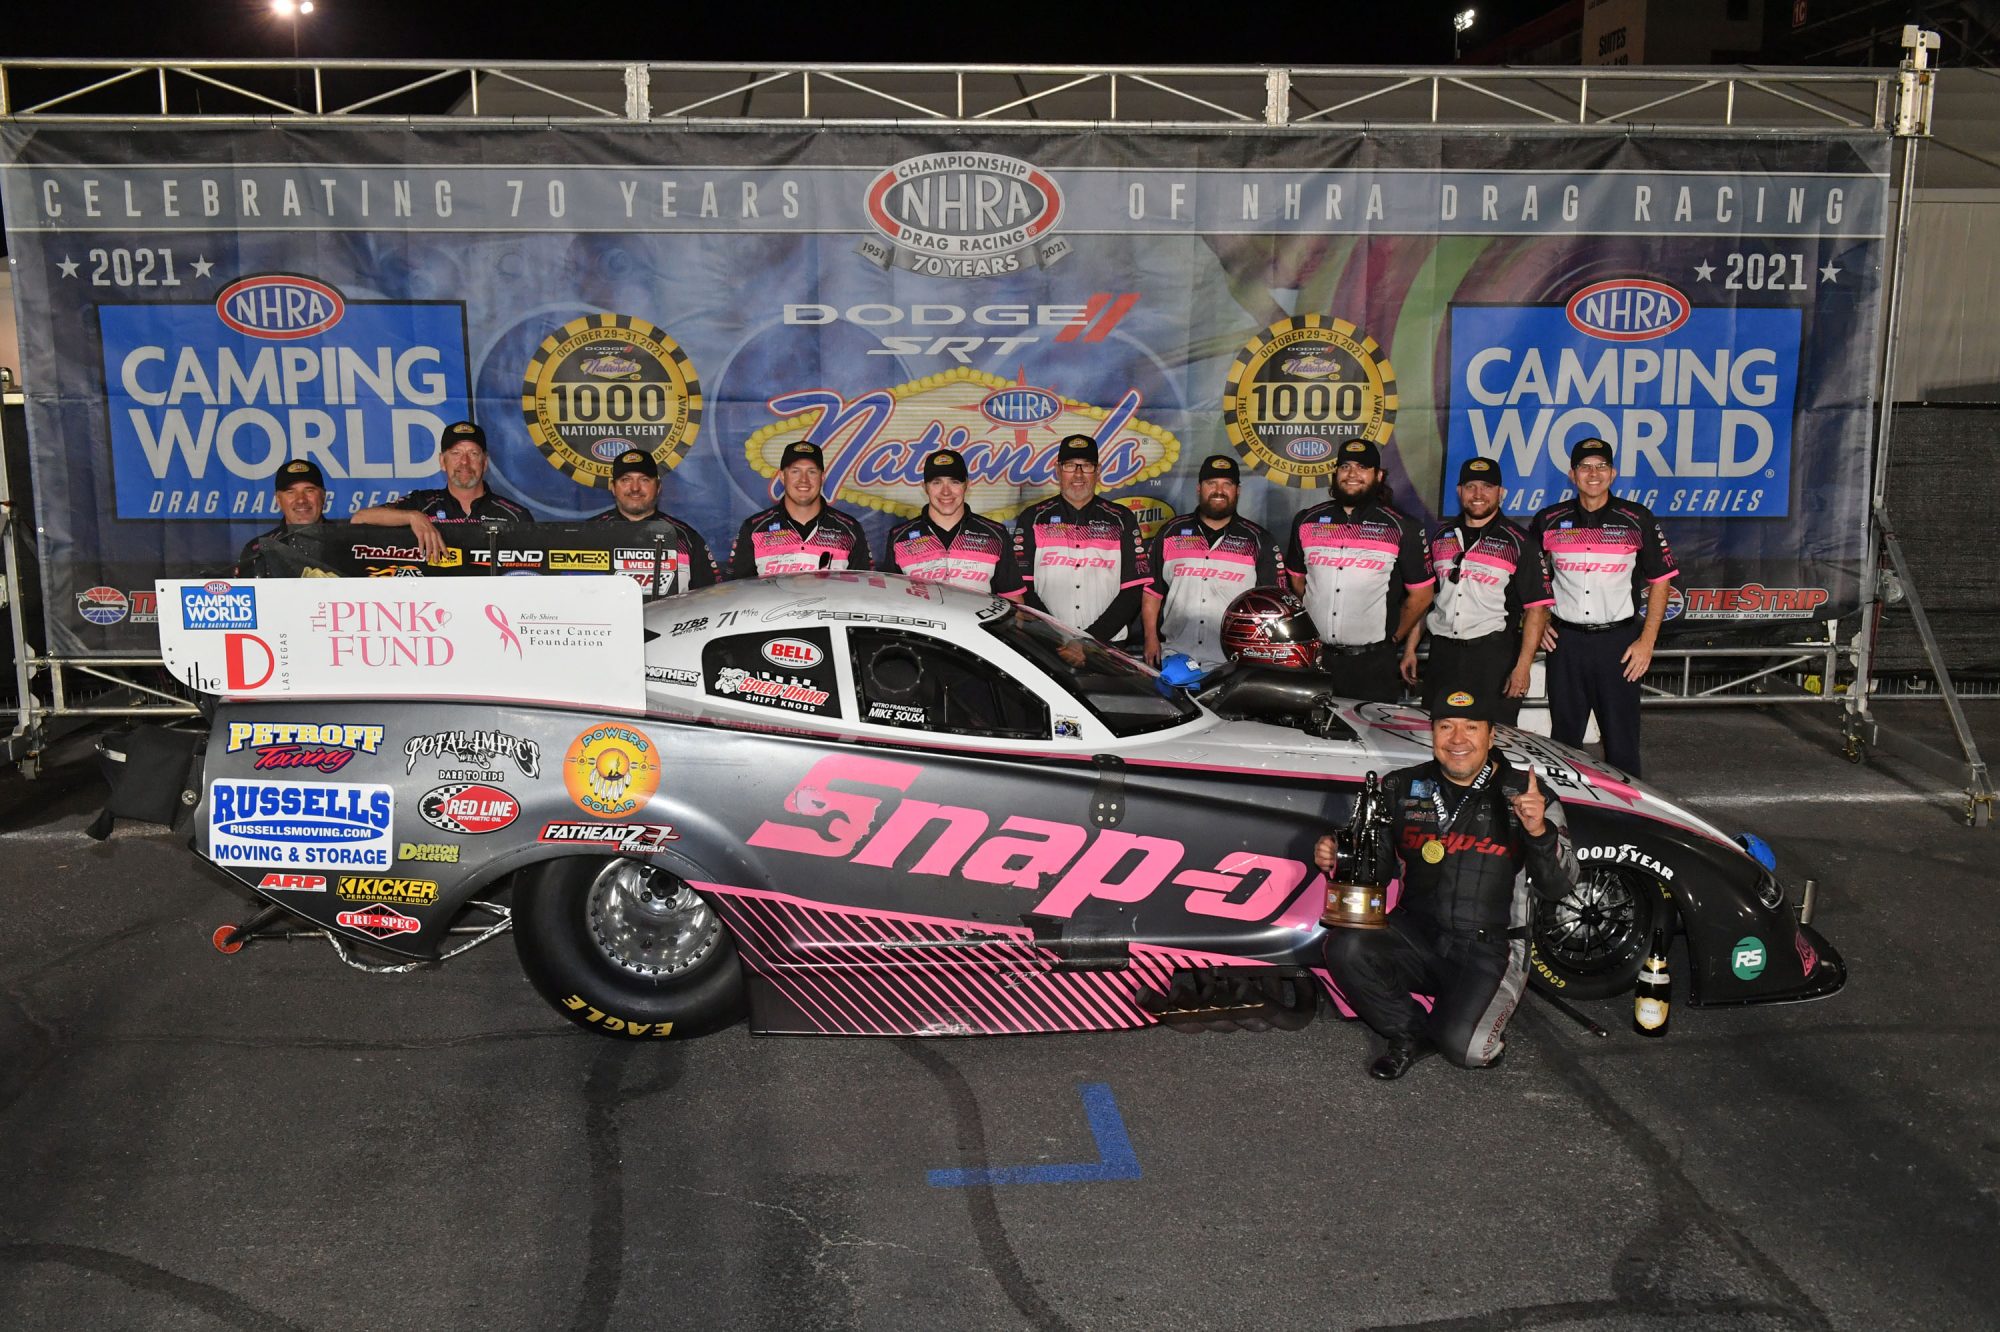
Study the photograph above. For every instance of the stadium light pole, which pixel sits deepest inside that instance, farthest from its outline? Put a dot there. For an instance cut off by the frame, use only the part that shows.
(1461, 23)
(292, 11)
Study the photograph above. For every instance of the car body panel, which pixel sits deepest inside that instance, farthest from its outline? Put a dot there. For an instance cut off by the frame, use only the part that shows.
(896, 877)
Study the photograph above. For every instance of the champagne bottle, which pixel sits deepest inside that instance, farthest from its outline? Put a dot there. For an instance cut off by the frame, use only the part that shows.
(1653, 990)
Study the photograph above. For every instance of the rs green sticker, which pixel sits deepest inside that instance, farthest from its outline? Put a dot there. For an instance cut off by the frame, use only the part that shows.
(1747, 958)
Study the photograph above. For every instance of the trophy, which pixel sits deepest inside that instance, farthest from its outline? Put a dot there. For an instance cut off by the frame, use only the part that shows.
(1355, 901)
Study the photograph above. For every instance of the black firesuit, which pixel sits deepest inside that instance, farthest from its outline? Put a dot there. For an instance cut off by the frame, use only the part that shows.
(1459, 932)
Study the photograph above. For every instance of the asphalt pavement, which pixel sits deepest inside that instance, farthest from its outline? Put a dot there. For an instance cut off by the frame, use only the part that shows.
(273, 1140)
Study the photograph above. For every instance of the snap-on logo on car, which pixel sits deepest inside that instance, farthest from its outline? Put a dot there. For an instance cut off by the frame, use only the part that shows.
(1628, 310)
(280, 306)
(791, 652)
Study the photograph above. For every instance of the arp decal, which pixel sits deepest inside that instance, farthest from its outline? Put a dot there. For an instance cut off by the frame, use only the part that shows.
(611, 770)
(289, 745)
(468, 808)
(292, 883)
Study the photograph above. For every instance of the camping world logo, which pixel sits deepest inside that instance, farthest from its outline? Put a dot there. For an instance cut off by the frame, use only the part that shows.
(964, 214)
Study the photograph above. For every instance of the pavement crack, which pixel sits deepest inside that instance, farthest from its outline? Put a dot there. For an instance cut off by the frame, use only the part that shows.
(1585, 1311)
(1638, 1271)
(219, 1304)
(983, 1207)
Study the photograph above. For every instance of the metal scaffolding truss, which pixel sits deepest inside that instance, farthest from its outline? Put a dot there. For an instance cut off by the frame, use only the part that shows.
(1743, 99)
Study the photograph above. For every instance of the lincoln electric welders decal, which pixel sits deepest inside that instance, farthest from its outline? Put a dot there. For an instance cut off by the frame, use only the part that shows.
(201, 302)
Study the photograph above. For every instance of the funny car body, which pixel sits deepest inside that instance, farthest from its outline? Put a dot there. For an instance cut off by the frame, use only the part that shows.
(858, 804)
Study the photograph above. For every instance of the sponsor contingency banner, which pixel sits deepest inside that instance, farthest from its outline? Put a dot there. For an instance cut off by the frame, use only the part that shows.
(199, 305)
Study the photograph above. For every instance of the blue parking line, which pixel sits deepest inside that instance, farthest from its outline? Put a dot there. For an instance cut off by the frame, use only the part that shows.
(1115, 1158)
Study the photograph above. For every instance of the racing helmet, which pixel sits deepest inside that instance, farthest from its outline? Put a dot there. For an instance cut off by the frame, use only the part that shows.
(1270, 625)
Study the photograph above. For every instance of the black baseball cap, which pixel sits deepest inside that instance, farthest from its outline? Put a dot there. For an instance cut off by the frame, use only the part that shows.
(801, 450)
(297, 472)
(1592, 448)
(946, 463)
(1479, 469)
(460, 431)
(1361, 451)
(1076, 448)
(1463, 703)
(1219, 467)
(635, 460)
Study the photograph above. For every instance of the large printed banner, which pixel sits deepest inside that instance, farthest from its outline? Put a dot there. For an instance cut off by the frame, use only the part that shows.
(200, 305)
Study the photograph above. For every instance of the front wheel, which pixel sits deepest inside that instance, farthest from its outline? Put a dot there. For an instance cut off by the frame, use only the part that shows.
(1590, 943)
(625, 949)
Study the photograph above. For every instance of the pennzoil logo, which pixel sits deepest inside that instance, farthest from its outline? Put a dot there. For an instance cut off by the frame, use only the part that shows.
(964, 214)
(1300, 388)
(607, 383)
(280, 307)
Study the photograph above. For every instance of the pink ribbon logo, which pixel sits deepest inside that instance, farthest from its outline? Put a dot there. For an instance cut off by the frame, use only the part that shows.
(508, 638)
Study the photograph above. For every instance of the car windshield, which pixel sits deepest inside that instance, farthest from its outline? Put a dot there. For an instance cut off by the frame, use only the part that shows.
(1127, 697)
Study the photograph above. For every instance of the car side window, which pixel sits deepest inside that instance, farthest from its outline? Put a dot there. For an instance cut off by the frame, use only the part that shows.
(921, 683)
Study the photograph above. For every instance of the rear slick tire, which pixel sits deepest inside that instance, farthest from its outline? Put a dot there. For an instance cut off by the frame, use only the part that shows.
(625, 949)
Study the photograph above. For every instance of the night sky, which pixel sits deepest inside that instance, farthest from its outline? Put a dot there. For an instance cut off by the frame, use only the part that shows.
(1330, 32)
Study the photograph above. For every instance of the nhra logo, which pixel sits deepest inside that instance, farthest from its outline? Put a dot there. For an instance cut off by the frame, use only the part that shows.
(1022, 406)
(1627, 310)
(963, 214)
(280, 306)
(1309, 449)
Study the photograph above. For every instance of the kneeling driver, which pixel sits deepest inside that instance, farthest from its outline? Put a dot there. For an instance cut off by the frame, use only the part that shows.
(1472, 836)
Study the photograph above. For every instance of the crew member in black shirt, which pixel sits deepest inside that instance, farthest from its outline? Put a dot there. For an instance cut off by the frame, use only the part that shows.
(301, 489)
(1471, 837)
(464, 498)
(635, 485)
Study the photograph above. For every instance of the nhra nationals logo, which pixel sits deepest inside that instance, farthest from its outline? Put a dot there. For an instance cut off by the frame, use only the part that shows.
(964, 214)
(1007, 431)
(1696, 402)
(208, 400)
(611, 770)
(997, 330)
